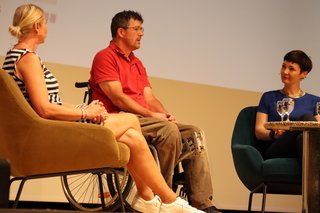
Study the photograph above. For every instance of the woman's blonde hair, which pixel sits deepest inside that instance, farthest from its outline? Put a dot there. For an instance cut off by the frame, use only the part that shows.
(24, 19)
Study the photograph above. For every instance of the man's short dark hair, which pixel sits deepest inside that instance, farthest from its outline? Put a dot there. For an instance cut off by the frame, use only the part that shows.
(121, 20)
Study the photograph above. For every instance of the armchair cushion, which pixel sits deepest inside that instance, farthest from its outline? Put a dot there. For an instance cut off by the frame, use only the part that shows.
(282, 169)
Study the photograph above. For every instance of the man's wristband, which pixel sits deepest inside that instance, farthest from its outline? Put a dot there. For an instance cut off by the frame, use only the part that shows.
(271, 134)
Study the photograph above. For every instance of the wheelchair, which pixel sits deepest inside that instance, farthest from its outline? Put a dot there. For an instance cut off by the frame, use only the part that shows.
(83, 193)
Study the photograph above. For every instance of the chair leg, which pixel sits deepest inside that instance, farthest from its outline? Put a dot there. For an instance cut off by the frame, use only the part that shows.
(250, 201)
(4, 183)
(15, 204)
(119, 191)
(101, 191)
(251, 195)
(264, 197)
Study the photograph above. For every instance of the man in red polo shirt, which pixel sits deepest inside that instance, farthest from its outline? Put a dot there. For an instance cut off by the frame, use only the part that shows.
(120, 81)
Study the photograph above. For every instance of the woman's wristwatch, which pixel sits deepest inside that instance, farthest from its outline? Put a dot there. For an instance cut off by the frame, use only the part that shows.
(271, 134)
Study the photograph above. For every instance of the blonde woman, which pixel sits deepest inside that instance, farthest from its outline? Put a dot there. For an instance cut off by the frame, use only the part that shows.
(41, 90)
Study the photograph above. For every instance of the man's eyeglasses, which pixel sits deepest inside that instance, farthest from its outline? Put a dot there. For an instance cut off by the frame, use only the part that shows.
(137, 29)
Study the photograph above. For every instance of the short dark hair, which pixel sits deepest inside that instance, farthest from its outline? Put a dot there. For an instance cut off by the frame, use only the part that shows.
(301, 58)
(121, 19)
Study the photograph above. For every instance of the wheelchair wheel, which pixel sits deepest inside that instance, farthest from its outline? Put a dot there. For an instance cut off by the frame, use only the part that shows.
(179, 183)
(82, 190)
(129, 193)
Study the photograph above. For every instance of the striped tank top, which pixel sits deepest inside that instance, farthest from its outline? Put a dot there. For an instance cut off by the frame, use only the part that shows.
(9, 65)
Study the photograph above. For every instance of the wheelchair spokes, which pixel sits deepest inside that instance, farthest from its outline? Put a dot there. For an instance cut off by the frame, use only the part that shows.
(82, 191)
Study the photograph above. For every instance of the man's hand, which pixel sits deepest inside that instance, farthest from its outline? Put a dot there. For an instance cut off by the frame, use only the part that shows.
(164, 116)
(170, 117)
(159, 115)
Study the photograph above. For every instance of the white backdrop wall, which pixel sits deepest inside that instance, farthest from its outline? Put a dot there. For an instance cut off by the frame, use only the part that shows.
(228, 43)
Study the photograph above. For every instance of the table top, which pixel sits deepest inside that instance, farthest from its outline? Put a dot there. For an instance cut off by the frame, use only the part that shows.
(293, 125)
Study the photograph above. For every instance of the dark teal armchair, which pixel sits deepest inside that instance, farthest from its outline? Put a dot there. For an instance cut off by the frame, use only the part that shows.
(272, 176)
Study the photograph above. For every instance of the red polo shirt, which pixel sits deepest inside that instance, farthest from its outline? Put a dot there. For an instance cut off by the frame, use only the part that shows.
(110, 64)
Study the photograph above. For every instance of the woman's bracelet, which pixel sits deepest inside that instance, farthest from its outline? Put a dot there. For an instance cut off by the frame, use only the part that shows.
(84, 114)
(83, 111)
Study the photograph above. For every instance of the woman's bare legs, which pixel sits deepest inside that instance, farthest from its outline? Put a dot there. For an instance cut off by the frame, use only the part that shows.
(141, 166)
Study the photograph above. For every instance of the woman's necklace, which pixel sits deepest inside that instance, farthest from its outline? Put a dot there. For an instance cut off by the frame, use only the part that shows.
(297, 95)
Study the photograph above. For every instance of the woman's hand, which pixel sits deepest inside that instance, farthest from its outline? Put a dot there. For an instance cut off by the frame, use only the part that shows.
(96, 112)
(278, 133)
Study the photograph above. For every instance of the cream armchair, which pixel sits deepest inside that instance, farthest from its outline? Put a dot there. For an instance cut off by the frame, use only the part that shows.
(38, 147)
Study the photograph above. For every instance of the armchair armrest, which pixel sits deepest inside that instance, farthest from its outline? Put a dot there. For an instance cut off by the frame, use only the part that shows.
(47, 146)
(248, 163)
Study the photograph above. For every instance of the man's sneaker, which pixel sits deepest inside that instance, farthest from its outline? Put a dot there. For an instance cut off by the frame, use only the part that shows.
(178, 206)
(141, 205)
